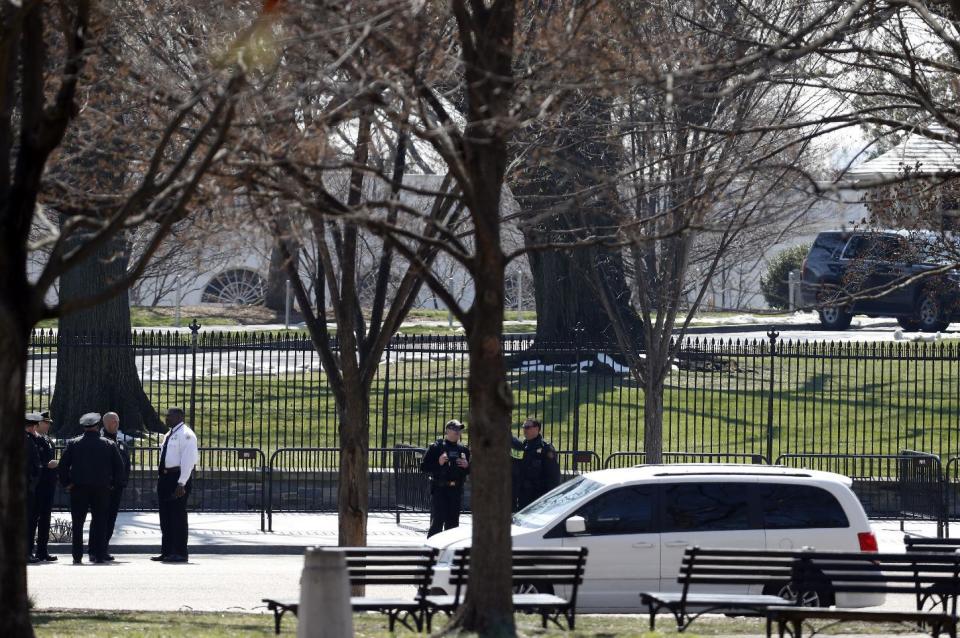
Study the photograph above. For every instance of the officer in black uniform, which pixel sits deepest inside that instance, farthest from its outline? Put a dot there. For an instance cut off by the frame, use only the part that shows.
(111, 428)
(32, 467)
(89, 468)
(535, 467)
(447, 461)
(43, 502)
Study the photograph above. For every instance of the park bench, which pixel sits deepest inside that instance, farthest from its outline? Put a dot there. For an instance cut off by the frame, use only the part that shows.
(857, 573)
(536, 573)
(703, 568)
(372, 566)
(941, 545)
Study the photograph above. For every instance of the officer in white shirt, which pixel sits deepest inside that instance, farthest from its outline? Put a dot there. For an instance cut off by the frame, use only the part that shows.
(178, 456)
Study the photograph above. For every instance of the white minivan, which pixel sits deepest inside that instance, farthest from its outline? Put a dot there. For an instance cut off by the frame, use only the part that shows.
(637, 522)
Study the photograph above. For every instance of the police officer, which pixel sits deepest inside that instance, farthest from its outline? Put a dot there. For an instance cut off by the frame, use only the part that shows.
(536, 470)
(89, 467)
(32, 468)
(178, 457)
(447, 461)
(111, 428)
(47, 485)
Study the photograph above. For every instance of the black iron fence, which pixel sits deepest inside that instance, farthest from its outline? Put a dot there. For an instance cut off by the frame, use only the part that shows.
(725, 400)
(766, 397)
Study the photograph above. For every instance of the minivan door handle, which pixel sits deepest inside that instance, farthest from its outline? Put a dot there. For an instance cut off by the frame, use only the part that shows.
(642, 545)
(677, 543)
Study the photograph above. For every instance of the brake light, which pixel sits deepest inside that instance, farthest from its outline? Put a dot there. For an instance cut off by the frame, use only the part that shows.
(868, 542)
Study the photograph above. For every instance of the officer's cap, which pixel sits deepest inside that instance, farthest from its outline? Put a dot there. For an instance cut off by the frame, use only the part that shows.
(90, 419)
(46, 416)
(33, 417)
(453, 424)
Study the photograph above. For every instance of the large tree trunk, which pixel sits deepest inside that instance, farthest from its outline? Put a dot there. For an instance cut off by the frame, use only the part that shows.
(488, 609)
(566, 191)
(17, 315)
(96, 370)
(14, 609)
(275, 291)
(352, 489)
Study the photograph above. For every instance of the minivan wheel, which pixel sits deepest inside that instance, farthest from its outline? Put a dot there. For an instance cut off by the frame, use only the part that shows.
(835, 318)
(789, 592)
(930, 315)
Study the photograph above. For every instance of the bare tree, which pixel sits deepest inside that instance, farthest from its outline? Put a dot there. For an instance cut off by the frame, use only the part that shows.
(48, 55)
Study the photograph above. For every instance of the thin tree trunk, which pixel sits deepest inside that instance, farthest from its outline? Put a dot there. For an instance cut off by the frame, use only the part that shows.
(14, 609)
(653, 414)
(352, 489)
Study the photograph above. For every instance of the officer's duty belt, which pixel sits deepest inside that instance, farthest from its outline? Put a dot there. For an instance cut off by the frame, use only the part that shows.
(167, 470)
(446, 483)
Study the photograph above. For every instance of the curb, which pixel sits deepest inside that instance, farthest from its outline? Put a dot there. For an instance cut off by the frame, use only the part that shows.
(65, 549)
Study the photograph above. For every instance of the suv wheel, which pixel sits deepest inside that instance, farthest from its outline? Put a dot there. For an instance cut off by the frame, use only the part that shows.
(908, 323)
(835, 318)
(930, 315)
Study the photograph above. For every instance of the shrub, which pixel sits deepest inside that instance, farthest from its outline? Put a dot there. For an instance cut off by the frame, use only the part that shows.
(774, 284)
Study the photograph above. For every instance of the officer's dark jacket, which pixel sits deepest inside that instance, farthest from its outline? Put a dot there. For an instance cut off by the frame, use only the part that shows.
(124, 454)
(91, 459)
(449, 471)
(32, 463)
(537, 471)
(45, 453)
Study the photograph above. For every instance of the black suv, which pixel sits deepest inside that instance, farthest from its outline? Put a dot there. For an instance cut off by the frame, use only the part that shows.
(880, 274)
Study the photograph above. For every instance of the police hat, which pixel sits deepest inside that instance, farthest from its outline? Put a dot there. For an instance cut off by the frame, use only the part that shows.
(453, 424)
(90, 419)
(46, 416)
(34, 418)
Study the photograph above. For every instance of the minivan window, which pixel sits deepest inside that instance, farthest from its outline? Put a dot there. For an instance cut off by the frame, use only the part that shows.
(701, 507)
(800, 506)
(546, 508)
(626, 510)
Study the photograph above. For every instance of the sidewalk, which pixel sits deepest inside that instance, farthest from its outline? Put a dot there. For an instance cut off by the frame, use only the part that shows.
(228, 533)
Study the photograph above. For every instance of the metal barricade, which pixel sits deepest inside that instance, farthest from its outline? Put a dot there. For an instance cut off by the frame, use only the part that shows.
(306, 479)
(573, 463)
(894, 486)
(412, 485)
(225, 479)
(629, 459)
(951, 493)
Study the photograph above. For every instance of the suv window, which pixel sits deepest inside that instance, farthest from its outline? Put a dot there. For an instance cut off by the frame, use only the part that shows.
(877, 248)
(800, 506)
(701, 507)
(627, 510)
(826, 246)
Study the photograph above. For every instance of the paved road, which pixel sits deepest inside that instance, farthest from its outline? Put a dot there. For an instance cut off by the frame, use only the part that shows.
(207, 583)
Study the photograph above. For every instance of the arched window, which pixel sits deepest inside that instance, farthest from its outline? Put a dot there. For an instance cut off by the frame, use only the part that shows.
(237, 287)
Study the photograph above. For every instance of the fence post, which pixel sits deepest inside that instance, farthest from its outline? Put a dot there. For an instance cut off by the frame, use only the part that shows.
(578, 336)
(194, 333)
(385, 408)
(772, 336)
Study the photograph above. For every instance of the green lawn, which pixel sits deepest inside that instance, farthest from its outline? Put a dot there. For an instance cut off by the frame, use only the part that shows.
(83, 624)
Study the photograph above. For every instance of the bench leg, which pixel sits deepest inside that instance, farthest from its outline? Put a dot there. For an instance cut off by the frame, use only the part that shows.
(277, 615)
(653, 617)
(797, 629)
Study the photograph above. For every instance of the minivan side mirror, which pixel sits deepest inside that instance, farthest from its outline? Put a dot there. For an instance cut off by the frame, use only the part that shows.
(575, 525)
